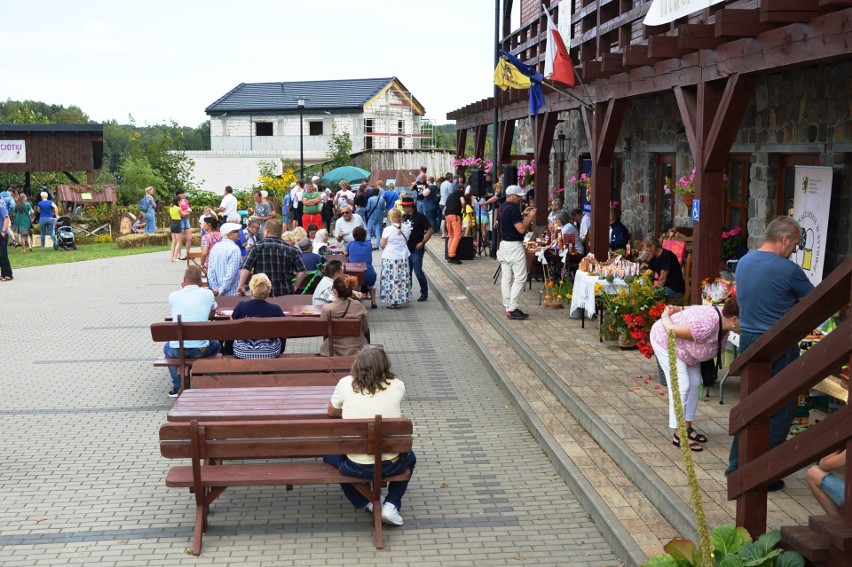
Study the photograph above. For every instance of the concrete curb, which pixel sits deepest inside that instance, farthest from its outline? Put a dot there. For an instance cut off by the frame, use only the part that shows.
(655, 489)
(611, 528)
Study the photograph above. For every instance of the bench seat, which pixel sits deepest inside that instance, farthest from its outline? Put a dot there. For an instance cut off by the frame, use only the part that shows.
(272, 474)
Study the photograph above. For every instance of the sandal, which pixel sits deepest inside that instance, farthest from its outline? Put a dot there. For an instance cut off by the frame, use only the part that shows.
(695, 436)
(6, 278)
(693, 446)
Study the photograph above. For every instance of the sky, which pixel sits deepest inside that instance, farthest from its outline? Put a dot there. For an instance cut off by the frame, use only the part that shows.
(159, 61)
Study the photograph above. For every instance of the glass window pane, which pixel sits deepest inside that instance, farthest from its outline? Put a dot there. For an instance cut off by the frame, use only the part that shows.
(735, 181)
(734, 218)
(666, 177)
(786, 204)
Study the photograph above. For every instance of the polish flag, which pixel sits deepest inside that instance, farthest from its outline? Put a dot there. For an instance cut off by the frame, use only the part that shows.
(557, 63)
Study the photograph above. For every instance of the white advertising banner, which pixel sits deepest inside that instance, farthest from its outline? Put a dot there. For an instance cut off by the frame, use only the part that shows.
(13, 151)
(811, 204)
(665, 11)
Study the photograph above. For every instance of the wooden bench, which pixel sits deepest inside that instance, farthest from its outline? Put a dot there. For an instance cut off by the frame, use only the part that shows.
(210, 444)
(290, 371)
(249, 328)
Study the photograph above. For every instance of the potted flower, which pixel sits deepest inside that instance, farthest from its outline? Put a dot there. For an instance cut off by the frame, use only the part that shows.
(731, 241)
(465, 163)
(526, 172)
(631, 311)
(685, 187)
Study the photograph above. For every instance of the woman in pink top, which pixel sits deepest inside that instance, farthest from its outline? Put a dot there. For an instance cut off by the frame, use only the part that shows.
(697, 336)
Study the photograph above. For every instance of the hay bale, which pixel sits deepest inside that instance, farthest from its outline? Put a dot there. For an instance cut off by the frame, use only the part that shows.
(159, 238)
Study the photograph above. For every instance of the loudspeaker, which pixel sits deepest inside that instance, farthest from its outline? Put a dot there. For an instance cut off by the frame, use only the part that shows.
(465, 249)
(510, 175)
(477, 182)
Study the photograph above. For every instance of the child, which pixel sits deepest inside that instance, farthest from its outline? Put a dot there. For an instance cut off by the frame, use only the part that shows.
(829, 489)
(208, 212)
(468, 221)
(138, 226)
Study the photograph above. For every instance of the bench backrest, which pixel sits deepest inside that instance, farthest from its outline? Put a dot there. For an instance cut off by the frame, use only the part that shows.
(290, 371)
(257, 328)
(284, 439)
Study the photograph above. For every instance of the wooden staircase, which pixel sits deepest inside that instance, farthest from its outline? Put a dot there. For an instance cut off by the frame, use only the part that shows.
(825, 540)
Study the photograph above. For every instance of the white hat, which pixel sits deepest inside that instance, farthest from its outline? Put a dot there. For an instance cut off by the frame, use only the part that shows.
(229, 227)
(315, 178)
(515, 190)
(264, 194)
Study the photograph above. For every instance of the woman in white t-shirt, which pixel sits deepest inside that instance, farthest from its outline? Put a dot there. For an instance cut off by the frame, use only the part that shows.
(395, 287)
(296, 204)
(371, 390)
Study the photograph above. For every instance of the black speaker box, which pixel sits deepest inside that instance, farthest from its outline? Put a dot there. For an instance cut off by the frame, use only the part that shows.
(465, 250)
(477, 182)
(510, 175)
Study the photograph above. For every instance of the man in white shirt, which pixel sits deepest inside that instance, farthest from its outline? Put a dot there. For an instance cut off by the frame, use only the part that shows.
(446, 189)
(344, 197)
(585, 227)
(347, 222)
(228, 206)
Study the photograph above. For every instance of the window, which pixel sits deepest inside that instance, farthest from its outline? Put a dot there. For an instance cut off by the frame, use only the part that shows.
(368, 131)
(263, 128)
(617, 177)
(736, 193)
(315, 128)
(400, 142)
(665, 197)
(400, 128)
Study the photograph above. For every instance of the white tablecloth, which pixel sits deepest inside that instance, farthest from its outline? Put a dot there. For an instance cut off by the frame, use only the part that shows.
(583, 295)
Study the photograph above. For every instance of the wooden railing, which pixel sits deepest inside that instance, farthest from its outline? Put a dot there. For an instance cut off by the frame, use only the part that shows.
(759, 466)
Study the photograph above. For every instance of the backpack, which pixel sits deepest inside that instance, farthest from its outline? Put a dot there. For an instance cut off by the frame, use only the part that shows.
(143, 204)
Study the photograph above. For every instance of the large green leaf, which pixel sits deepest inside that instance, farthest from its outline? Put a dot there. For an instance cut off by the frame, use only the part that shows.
(683, 551)
(763, 559)
(790, 559)
(661, 561)
(730, 561)
(768, 540)
(729, 539)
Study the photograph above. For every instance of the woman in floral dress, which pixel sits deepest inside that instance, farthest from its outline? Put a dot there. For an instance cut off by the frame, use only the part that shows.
(395, 288)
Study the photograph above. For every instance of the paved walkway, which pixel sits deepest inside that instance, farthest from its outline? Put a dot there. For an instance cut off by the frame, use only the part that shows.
(83, 483)
(602, 415)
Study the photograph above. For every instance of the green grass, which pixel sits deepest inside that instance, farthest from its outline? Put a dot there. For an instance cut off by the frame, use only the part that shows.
(39, 257)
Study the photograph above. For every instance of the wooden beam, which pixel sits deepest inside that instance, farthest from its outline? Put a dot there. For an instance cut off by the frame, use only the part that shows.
(480, 133)
(544, 126)
(728, 115)
(665, 46)
(731, 23)
(698, 36)
(611, 63)
(504, 140)
(687, 103)
(789, 11)
(637, 56)
(461, 142)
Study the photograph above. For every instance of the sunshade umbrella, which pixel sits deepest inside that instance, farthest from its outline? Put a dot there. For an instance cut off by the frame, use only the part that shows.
(350, 173)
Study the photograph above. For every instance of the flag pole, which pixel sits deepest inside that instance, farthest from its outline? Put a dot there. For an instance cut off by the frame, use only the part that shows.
(551, 85)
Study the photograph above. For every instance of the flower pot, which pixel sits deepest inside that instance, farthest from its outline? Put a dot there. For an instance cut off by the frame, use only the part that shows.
(625, 341)
(687, 200)
(552, 304)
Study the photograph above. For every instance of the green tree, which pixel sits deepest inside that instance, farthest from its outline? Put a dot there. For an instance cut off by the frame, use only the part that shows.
(339, 149)
(137, 174)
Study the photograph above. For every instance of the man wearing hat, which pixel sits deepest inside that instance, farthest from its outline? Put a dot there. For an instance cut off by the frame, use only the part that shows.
(273, 257)
(310, 258)
(223, 269)
(511, 254)
(421, 232)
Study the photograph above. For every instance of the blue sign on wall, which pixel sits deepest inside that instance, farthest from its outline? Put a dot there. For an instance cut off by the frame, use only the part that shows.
(696, 208)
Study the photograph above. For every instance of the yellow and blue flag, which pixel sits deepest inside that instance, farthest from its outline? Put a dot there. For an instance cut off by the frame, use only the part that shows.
(536, 92)
(507, 75)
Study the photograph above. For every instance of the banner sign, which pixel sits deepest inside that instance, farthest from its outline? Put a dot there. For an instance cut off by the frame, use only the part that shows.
(13, 151)
(812, 189)
(666, 11)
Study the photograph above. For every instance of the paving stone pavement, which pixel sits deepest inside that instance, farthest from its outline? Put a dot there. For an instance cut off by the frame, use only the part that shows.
(82, 481)
(617, 388)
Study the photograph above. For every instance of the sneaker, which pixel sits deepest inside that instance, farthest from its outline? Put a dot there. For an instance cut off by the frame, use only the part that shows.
(516, 315)
(368, 508)
(390, 515)
(173, 393)
(454, 260)
(771, 487)
(423, 298)
(524, 313)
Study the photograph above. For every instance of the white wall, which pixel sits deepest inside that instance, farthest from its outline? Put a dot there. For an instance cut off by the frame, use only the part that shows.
(236, 133)
(215, 169)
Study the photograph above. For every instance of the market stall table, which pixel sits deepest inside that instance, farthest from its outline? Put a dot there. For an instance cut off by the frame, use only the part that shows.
(252, 404)
(583, 294)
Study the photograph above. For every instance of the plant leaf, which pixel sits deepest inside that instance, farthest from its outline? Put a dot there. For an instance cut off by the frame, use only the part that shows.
(731, 561)
(682, 550)
(729, 539)
(790, 559)
(764, 559)
(661, 561)
(768, 540)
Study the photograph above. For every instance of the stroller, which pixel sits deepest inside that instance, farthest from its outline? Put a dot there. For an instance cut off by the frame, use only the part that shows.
(64, 234)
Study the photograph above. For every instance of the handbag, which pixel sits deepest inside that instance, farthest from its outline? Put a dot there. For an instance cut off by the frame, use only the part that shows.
(710, 368)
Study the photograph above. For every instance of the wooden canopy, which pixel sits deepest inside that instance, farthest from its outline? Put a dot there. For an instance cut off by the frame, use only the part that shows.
(57, 147)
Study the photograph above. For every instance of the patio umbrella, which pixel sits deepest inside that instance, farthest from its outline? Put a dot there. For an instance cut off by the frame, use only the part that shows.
(350, 173)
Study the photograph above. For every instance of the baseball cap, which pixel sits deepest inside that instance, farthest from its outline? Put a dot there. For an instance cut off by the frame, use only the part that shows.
(407, 202)
(305, 244)
(515, 190)
(229, 227)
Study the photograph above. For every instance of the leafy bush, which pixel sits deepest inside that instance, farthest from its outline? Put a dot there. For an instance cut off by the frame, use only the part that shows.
(733, 547)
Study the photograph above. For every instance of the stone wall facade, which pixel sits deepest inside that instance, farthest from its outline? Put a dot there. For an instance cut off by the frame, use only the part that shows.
(793, 113)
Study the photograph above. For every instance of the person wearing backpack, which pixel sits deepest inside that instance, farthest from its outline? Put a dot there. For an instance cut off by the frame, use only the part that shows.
(149, 206)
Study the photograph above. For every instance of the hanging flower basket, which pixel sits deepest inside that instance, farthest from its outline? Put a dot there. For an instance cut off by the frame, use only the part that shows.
(687, 200)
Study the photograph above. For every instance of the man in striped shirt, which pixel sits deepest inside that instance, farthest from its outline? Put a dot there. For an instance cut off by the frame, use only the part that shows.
(223, 270)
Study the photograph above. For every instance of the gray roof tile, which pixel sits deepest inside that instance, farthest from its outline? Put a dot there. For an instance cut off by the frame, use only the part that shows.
(320, 95)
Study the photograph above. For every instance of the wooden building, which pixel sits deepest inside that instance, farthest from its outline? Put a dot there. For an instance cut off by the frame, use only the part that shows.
(57, 147)
(741, 90)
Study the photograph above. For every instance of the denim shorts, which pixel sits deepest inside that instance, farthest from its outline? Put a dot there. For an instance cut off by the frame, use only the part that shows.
(834, 487)
(175, 227)
(184, 223)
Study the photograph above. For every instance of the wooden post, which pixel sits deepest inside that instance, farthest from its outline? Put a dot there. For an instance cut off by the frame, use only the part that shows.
(480, 133)
(602, 127)
(544, 126)
(507, 133)
(461, 142)
(754, 441)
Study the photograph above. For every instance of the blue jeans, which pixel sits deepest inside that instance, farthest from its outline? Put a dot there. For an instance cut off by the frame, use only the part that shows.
(374, 228)
(47, 226)
(211, 349)
(396, 490)
(415, 264)
(780, 421)
(669, 293)
(150, 221)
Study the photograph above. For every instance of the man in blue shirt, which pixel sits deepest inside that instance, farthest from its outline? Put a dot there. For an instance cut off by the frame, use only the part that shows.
(512, 257)
(223, 269)
(193, 303)
(768, 286)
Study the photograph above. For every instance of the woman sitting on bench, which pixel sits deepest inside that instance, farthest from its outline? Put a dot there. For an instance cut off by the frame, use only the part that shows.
(257, 306)
(371, 390)
(344, 306)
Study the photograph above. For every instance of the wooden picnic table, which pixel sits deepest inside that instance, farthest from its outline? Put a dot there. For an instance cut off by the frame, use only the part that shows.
(228, 302)
(224, 313)
(252, 404)
(357, 269)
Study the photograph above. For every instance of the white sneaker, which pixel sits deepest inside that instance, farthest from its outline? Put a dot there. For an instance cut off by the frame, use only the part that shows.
(369, 507)
(390, 515)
